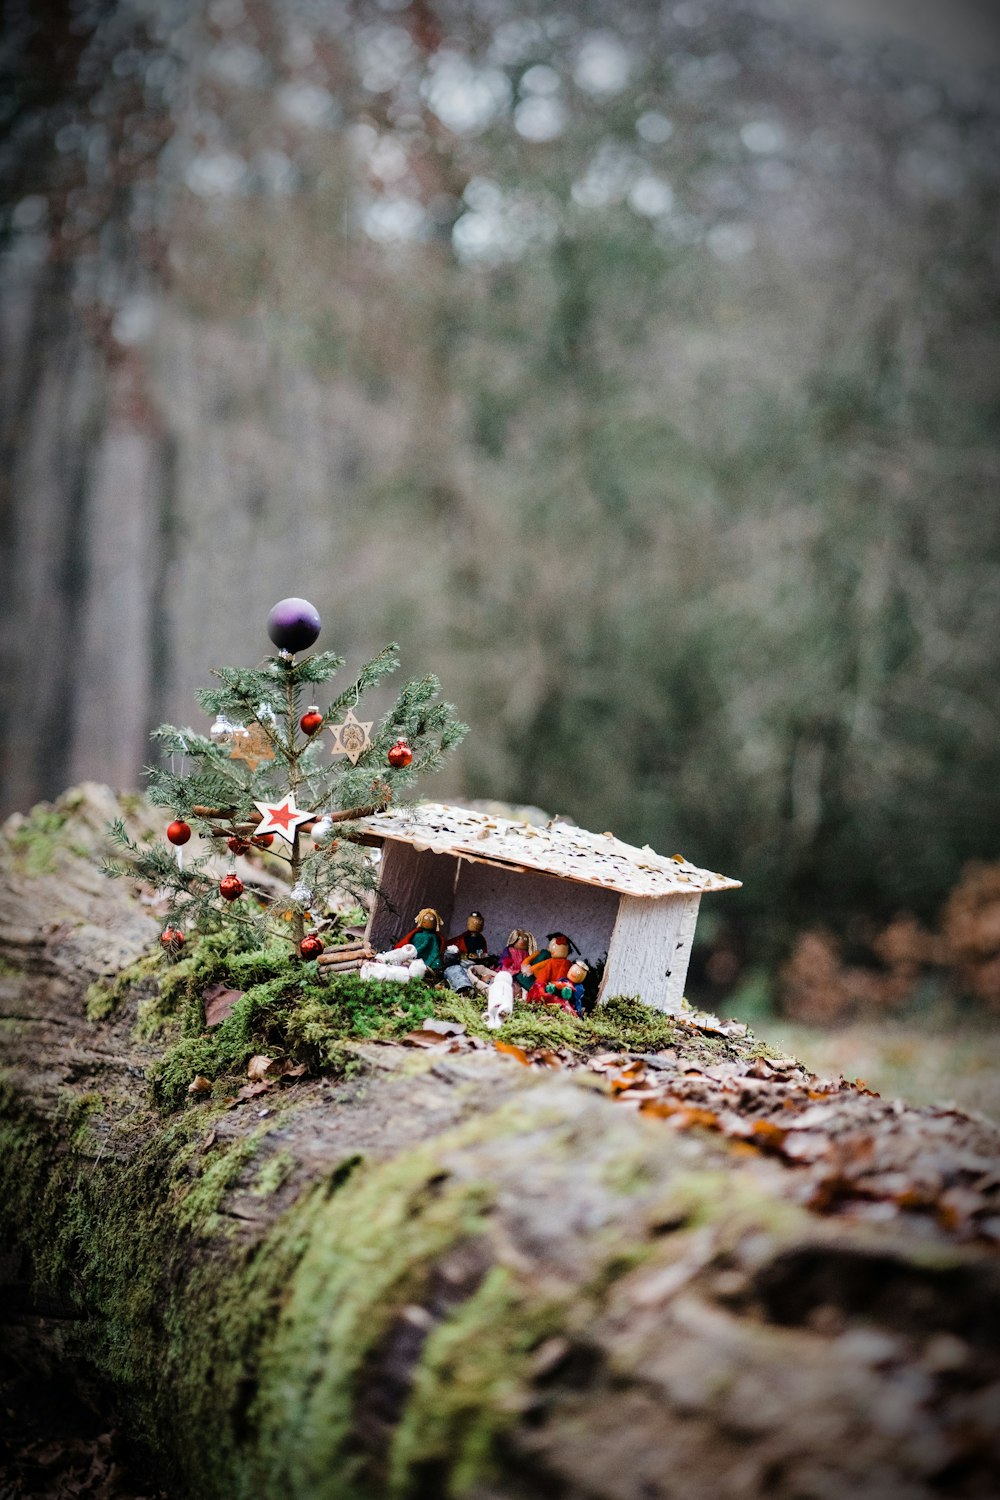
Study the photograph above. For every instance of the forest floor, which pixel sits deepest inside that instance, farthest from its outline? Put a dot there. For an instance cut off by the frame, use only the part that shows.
(960, 1065)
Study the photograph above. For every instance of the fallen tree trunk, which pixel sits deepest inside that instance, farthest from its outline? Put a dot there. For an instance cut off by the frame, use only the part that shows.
(452, 1274)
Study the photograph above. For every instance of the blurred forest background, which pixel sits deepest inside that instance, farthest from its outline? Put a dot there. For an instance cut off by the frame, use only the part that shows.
(636, 367)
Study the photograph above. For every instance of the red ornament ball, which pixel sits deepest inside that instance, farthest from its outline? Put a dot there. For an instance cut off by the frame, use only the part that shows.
(311, 946)
(400, 754)
(172, 937)
(237, 845)
(311, 720)
(231, 887)
(264, 840)
(179, 832)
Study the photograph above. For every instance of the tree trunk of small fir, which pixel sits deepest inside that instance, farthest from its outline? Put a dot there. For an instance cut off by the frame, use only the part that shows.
(452, 1275)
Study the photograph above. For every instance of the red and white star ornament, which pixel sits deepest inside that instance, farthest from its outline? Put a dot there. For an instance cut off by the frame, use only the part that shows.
(282, 818)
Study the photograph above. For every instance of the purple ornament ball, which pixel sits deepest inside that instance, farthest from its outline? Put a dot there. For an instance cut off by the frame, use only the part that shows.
(293, 624)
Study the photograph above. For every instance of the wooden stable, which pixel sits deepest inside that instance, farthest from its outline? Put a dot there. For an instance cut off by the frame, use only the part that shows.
(637, 907)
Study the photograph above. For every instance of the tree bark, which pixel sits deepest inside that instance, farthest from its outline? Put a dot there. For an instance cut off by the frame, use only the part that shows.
(455, 1275)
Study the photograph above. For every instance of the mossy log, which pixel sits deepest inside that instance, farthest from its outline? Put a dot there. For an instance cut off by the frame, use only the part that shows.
(450, 1275)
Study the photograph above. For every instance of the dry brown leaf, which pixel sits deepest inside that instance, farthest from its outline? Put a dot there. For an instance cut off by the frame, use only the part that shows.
(427, 1038)
(200, 1085)
(443, 1028)
(766, 1135)
(259, 1067)
(688, 1118)
(512, 1051)
(219, 1001)
(249, 1091)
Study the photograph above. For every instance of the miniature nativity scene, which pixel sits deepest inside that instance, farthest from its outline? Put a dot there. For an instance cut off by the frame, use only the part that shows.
(551, 914)
(610, 918)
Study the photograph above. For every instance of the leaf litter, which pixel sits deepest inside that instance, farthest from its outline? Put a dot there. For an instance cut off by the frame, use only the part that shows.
(840, 1149)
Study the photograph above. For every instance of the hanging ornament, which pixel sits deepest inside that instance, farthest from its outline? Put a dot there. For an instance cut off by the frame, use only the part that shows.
(282, 818)
(178, 832)
(223, 729)
(263, 840)
(400, 753)
(351, 738)
(238, 845)
(264, 714)
(253, 746)
(321, 829)
(311, 946)
(301, 894)
(231, 887)
(311, 720)
(172, 938)
(293, 624)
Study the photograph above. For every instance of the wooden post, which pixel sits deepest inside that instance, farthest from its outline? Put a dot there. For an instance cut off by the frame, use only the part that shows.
(650, 948)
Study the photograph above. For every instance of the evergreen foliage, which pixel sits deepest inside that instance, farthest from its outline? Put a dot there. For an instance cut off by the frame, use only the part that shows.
(215, 793)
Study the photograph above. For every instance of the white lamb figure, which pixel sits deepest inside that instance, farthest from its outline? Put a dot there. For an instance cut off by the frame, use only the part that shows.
(376, 969)
(404, 955)
(500, 1002)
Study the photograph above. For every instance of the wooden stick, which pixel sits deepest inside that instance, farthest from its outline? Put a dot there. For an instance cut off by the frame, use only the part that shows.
(347, 815)
(353, 950)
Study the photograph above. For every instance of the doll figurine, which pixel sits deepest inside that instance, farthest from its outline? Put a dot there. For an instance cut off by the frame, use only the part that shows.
(462, 972)
(567, 992)
(472, 942)
(519, 944)
(548, 965)
(425, 939)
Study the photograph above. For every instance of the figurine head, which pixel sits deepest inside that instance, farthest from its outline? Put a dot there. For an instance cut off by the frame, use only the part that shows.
(577, 972)
(519, 938)
(429, 918)
(558, 944)
(474, 922)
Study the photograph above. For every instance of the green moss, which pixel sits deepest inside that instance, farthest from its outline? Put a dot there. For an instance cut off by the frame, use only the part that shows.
(622, 1023)
(261, 1350)
(467, 1386)
(290, 1009)
(285, 1012)
(74, 1116)
(105, 996)
(273, 1173)
(196, 1206)
(35, 841)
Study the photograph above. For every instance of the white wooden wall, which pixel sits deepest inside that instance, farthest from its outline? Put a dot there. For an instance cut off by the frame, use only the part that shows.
(650, 949)
(410, 879)
(541, 903)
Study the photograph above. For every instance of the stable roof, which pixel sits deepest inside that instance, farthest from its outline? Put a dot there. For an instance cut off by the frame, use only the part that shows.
(559, 849)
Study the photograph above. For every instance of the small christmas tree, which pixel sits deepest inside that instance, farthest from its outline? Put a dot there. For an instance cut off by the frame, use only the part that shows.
(266, 777)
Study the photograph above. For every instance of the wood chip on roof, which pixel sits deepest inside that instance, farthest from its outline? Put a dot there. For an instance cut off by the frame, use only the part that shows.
(556, 849)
